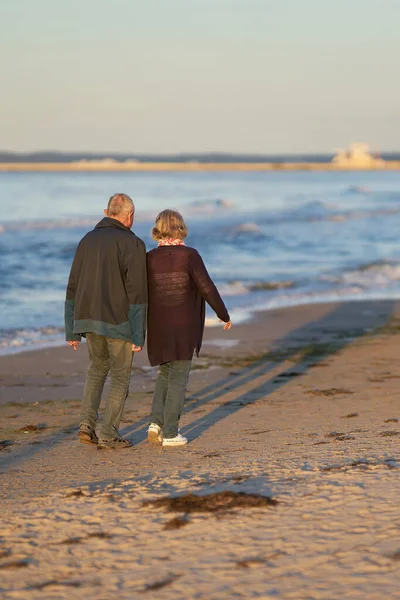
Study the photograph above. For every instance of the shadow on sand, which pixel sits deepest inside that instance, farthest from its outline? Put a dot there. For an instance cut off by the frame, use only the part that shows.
(305, 347)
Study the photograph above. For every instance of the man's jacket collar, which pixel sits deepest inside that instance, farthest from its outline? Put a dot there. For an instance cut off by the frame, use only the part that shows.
(110, 222)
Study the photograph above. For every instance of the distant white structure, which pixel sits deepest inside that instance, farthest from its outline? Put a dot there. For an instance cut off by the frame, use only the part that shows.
(358, 156)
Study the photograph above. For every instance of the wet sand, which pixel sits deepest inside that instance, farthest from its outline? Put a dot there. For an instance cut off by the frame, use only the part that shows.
(294, 452)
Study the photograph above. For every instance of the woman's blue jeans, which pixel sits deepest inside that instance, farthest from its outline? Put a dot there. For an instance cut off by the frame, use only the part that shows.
(169, 396)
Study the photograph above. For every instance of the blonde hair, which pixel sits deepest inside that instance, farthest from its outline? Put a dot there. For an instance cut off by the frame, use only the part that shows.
(169, 224)
(119, 205)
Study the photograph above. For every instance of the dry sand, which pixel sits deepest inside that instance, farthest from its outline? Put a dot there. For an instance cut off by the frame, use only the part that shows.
(300, 412)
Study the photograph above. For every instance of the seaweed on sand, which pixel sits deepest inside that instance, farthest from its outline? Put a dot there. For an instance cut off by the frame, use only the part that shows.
(212, 503)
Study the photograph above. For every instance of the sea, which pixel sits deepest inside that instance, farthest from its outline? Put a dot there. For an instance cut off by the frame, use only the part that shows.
(268, 239)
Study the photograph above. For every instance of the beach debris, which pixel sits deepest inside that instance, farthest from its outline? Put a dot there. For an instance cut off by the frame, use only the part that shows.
(260, 432)
(389, 433)
(5, 444)
(176, 523)
(16, 564)
(340, 436)
(329, 392)
(77, 493)
(320, 442)
(102, 535)
(45, 584)
(250, 562)
(71, 541)
(350, 415)
(161, 584)
(392, 420)
(362, 463)
(32, 428)
(215, 502)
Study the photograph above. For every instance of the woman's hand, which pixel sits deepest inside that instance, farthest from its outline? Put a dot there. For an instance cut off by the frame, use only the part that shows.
(136, 348)
(227, 325)
(74, 345)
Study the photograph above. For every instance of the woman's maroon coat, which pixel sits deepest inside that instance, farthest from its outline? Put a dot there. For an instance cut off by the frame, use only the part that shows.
(178, 286)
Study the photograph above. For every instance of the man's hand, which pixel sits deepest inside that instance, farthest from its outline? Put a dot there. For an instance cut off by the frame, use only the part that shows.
(136, 348)
(74, 345)
(227, 325)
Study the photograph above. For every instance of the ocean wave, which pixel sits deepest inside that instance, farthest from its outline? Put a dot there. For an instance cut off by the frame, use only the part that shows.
(340, 294)
(272, 285)
(19, 340)
(376, 275)
(209, 206)
(358, 189)
(317, 211)
(240, 288)
(248, 228)
(254, 224)
(358, 215)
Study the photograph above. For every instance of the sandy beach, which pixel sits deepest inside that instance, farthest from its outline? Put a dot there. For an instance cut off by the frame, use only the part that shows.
(288, 488)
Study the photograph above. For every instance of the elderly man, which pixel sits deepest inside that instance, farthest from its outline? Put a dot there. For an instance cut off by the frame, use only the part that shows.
(106, 303)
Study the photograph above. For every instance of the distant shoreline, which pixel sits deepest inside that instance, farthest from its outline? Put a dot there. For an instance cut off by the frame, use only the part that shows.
(136, 166)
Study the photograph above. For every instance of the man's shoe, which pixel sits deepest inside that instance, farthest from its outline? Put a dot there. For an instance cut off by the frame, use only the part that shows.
(154, 434)
(87, 434)
(117, 443)
(178, 440)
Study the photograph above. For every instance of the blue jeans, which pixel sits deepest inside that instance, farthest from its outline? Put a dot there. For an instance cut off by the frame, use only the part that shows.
(169, 395)
(106, 354)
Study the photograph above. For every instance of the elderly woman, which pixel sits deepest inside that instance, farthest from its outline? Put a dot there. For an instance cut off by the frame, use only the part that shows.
(178, 285)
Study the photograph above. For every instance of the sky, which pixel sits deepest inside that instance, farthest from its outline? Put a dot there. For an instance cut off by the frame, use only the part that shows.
(170, 76)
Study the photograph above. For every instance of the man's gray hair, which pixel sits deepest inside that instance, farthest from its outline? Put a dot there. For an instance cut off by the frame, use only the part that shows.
(120, 204)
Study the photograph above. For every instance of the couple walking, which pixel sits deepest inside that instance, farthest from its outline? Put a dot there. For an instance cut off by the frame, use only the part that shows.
(112, 293)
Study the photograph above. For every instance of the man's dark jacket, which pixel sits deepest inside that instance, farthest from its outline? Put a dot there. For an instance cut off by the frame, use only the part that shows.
(107, 287)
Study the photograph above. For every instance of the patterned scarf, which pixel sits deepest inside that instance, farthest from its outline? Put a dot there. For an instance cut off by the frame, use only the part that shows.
(171, 242)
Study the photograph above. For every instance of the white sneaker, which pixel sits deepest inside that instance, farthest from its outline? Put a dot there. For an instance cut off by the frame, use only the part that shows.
(154, 434)
(178, 440)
